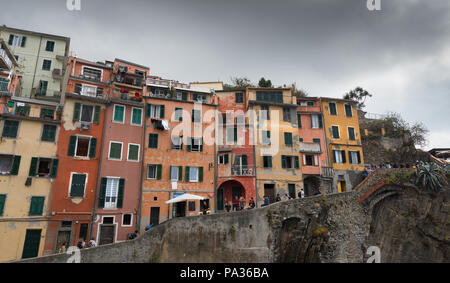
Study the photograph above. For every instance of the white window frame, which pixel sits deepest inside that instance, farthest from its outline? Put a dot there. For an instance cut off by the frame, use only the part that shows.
(81, 113)
(6, 173)
(114, 206)
(329, 108)
(221, 159)
(175, 114)
(339, 131)
(131, 220)
(338, 157)
(17, 40)
(76, 147)
(348, 133)
(83, 88)
(109, 151)
(155, 111)
(351, 110)
(114, 114)
(70, 183)
(180, 145)
(190, 175)
(355, 156)
(316, 120)
(156, 171)
(139, 152)
(131, 117)
(89, 67)
(200, 118)
(178, 168)
(51, 63)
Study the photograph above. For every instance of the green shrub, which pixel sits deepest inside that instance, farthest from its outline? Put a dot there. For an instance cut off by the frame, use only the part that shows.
(430, 176)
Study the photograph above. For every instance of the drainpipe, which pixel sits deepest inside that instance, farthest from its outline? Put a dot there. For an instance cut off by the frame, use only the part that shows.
(99, 170)
(35, 67)
(215, 161)
(139, 212)
(254, 162)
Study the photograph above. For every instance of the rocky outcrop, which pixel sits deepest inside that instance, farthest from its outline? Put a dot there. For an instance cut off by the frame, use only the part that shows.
(406, 223)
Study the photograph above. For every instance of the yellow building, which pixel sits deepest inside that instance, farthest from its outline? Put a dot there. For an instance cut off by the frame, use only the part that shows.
(272, 112)
(343, 141)
(28, 164)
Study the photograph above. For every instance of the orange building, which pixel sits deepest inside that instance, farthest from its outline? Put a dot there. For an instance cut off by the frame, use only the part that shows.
(179, 150)
(317, 172)
(79, 143)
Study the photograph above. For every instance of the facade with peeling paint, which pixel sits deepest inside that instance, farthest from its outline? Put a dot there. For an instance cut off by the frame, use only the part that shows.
(179, 150)
(79, 147)
(274, 124)
(343, 138)
(235, 160)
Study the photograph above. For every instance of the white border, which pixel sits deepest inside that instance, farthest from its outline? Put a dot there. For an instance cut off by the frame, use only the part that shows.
(139, 152)
(329, 108)
(339, 131)
(351, 108)
(131, 221)
(131, 116)
(348, 133)
(76, 147)
(156, 172)
(70, 184)
(101, 70)
(109, 151)
(124, 113)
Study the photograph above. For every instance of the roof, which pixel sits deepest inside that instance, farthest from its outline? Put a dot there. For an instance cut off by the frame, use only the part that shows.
(131, 63)
(337, 99)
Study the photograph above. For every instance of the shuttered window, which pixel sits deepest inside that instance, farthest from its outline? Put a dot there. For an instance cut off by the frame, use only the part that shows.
(351, 133)
(335, 132)
(115, 151)
(119, 113)
(178, 114)
(133, 152)
(299, 120)
(50, 46)
(49, 133)
(36, 206)
(153, 140)
(267, 160)
(136, 116)
(288, 139)
(46, 65)
(333, 110)
(10, 129)
(78, 185)
(348, 110)
(239, 97)
(2, 204)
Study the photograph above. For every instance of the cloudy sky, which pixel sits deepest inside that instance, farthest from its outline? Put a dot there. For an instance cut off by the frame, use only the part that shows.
(400, 54)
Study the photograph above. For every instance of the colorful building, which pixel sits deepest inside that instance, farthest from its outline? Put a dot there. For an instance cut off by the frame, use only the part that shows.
(79, 146)
(179, 151)
(272, 113)
(42, 59)
(317, 172)
(344, 148)
(118, 195)
(235, 161)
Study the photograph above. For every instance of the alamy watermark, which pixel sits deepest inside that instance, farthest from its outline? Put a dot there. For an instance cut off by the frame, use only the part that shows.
(374, 5)
(73, 5)
(374, 253)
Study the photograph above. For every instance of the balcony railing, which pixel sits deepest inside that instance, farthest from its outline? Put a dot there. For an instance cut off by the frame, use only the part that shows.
(326, 172)
(5, 57)
(4, 86)
(242, 170)
(310, 147)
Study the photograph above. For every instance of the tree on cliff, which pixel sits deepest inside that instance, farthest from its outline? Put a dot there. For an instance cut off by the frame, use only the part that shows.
(265, 83)
(359, 95)
(238, 83)
(396, 125)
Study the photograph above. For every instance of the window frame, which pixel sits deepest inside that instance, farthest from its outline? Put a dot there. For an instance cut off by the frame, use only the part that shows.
(43, 129)
(70, 184)
(351, 110)
(197, 175)
(98, 69)
(139, 151)
(131, 117)
(114, 114)
(180, 119)
(114, 206)
(17, 131)
(43, 64)
(76, 147)
(131, 220)
(53, 46)
(121, 151)
(354, 133)
(332, 132)
(178, 173)
(156, 172)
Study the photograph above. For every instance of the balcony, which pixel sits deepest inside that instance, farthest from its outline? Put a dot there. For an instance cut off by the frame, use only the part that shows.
(5, 62)
(242, 170)
(128, 79)
(326, 172)
(310, 147)
(4, 85)
(57, 74)
(309, 109)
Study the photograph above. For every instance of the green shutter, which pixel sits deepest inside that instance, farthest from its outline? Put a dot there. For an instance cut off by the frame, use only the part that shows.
(200, 174)
(76, 111)
(120, 193)
(72, 145)
(187, 173)
(159, 172)
(320, 121)
(283, 161)
(15, 165)
(36, 206)
(33, 167)
(161, 112)
(244, 160)
(201, 144)
(136, 119)
(344, 160)
(92, 147)
(226, 158)
(147, 110)
(180, 173)
(24, 40)
(189, 144)
(299, 120)
(235, 133)
(297, 162)
(97, 114)
(359, 157)
(270, 161)
(54, 169)
(78, 184)
(153, 140)
(10, 129)
(2, 204)
(101, 197)
(184, 96)
(11, 39)
(119, 113)
(288, 138)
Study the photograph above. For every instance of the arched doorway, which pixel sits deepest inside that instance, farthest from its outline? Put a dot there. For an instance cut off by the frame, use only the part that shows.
(228, 191)
(311, 185)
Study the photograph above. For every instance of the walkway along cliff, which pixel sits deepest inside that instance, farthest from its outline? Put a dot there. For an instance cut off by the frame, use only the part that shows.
(406, 223)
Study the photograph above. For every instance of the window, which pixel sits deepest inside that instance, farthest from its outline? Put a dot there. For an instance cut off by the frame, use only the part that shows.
(291, 190)
(42, 89)
(288, 139)
(181, 95)
(196, 144)
(133, 152)
(335, 132)
(348, 110)
(316, 141)
(47, 113)
(310, 103)
(92, 74)
(16, 40)
(270, 96)
(175, 173)
(153, 141)
(231, 135)
(50, 46)
(178, 114)
(299, 120)
(82, 147)
(308, 160)
(77, 185)
(17, 57)
(192, 206)
(193, 174)
(136, 116)
(196, 116)
(66, 224)
(177, 142)
(9, 164)
(108, 220)
(43, 167)
(36, 206)
(83, 231)
(339, 156)
(223, 159)
(127, 219)
(199, 98)
(265, 137)
(314, 121)
(333, 110)
(46, 65)
(154, 171)
(156, 111)
(351, 133)
(290, 162)
(2, 204)
(239, 97)
(86, 90)
(119, 113)
(139, 72)
(158, 92)
(87, 113)
(240, 120)
(355, 157)
(265, 112)
(115, 150)
(286, 114)
(267, 161)
(10, 129)
(111, 193)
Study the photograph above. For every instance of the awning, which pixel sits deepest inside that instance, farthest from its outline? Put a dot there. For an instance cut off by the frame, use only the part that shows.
(185, 197)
